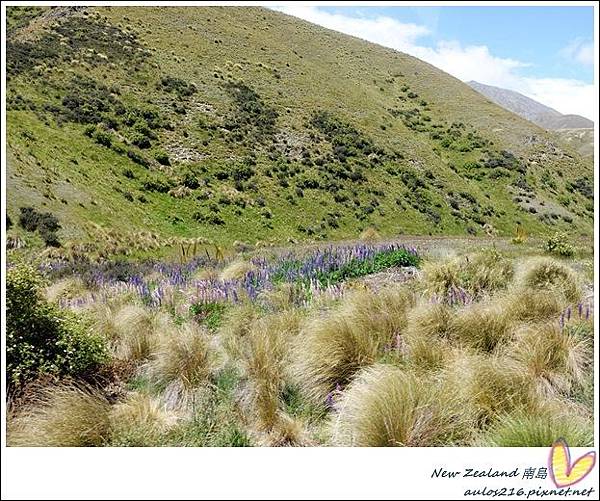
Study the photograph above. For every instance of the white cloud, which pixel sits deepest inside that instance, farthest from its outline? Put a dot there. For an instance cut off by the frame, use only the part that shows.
(382, 30)
(471, 62)
(579, 51)
(564, 95)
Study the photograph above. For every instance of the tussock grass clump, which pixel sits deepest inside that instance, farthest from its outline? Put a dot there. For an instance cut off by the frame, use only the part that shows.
(66, 288)
(133, 331)
(332, 348)
(236, 270)
(370, 234)
(492, 385)
(540, 429)
(182, 359)
(288, 432)
(266, 360)
(140, 420)
(235, 327)
(479, 274)
(482, 326)
(427, 335)
(553, 357)
(525, 304)
(386, 406)
(66, 415)
(488, 271)
(547, 274)
(441, 277)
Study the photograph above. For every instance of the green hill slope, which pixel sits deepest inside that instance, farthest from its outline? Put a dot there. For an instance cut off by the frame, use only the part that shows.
(245, 124)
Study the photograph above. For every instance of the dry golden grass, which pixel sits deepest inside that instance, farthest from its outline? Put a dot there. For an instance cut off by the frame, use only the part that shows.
(236, 270)
(370, 235)
(66, 415)
(554, 358)
(482, 326)
(332, 348)
(265, 360)
(480, 273)
(386, 406)
(547, 274)
(182, 358)
(526, 304)
(65, 288)
(133, 331)
(236, 326)
(538, 429)
(440, 277)
(287, 432)
(140, 420)
(426, 335)
(488, 271)
(491, 385)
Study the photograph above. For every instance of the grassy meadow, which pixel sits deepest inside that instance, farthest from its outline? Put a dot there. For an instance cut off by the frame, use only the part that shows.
(422, 342)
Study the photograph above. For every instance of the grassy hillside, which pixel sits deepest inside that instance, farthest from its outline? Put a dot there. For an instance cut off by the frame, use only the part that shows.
(138, 126)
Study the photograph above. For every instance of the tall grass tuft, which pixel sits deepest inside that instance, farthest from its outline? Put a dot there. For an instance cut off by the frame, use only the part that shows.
(492, 385)
(333, 347)
(236, 270)
(140, 421)
(369, 234)
(66, 288)
(540, 429)
(266, 360)
(386, 406)
(526, 304)
(480, 273)
(441, 277)
(66, 415)
(138, 331)
(235, 328)
(553, 357)
(545, 274)
(181, 363)
(427, 335)
(482, 326)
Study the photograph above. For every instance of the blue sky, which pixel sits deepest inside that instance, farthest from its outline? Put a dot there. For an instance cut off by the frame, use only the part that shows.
(543, 52)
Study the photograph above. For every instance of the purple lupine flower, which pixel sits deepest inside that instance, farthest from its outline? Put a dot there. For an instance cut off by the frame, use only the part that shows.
(587, 311)
(329, 403)
(569, 313)
(562, 321)
(580, 309)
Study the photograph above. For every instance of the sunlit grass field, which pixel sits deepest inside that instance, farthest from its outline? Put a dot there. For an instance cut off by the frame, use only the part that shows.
(422, 342)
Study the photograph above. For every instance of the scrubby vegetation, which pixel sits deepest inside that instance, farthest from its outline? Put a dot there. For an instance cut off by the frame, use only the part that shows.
(190, 136)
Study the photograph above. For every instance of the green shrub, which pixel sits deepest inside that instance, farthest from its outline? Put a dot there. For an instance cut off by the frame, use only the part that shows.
(103, 138)
(41, 338)
(558, 244)
(45, 222)
(162, 158)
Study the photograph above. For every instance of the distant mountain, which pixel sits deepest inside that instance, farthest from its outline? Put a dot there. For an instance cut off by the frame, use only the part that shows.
(580, 139)
(539, 114)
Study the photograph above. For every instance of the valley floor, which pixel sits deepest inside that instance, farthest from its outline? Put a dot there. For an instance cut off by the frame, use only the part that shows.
(421, 341)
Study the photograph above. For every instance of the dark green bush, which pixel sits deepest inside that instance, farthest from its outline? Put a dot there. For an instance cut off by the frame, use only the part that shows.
(40, 337)
(103, 138)
(45, 222)
(162, 158)
(137, 158)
